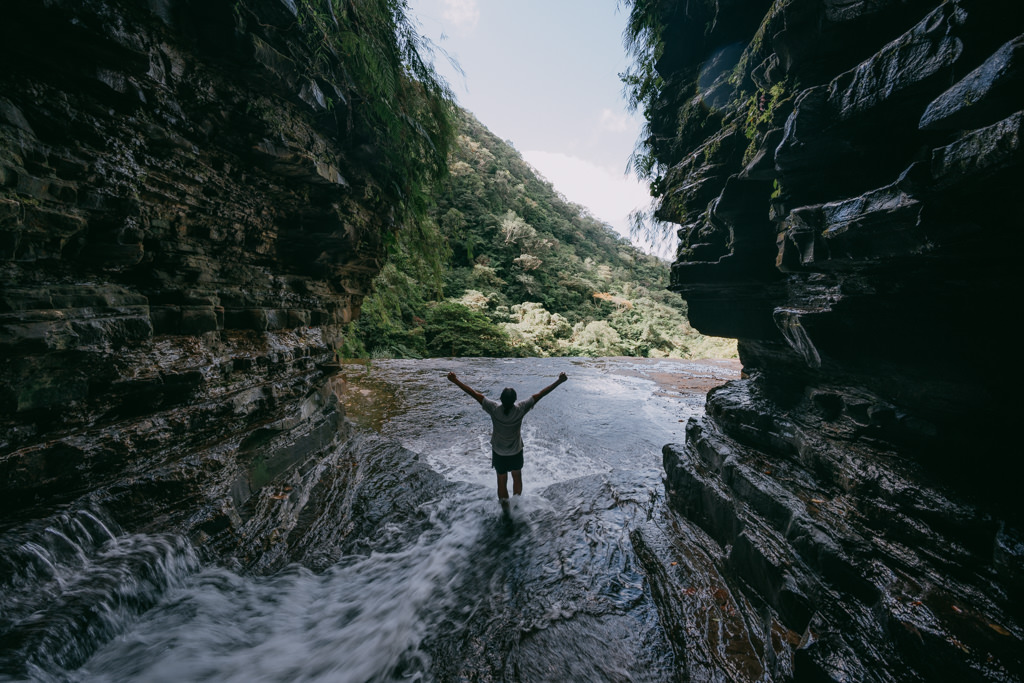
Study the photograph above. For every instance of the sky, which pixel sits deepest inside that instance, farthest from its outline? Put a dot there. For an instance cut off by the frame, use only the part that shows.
(544, 75)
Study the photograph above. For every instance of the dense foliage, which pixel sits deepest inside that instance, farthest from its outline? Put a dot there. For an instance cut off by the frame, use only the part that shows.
(505, 266)
(401, 111)
(485, 258)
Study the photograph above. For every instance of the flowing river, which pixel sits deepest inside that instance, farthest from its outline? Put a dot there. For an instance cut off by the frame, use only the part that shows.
(573, 587)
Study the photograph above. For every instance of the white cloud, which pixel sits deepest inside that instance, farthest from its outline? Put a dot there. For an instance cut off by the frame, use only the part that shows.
(614, 122)
(463, 13)
(609, 196)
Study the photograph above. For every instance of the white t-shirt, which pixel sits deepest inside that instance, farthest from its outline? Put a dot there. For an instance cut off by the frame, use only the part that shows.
(506, 438)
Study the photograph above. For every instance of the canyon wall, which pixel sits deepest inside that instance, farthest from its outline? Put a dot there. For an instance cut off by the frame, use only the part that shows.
(846, 179)
(188, 217)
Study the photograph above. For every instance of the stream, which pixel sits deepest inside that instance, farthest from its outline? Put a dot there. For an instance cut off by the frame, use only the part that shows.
(591, 578)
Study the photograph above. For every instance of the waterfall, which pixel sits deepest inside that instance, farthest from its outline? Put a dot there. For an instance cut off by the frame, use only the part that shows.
(75, 580)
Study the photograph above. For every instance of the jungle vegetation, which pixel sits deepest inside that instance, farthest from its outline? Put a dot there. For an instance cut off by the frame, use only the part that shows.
(486, 258)
(505, 266)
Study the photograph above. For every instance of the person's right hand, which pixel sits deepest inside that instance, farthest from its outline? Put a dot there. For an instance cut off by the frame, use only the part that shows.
(452, 377)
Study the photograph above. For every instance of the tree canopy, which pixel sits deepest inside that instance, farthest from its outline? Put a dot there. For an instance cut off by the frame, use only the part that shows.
(506, 266)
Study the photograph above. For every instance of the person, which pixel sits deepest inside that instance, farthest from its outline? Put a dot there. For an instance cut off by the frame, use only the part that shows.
(506, 432)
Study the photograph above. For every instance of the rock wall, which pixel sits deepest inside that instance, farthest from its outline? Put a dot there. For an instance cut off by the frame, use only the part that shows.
(846, 177)
(186, 222)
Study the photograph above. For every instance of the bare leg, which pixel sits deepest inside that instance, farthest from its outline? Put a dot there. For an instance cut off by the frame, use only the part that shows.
(517, 482)
(503, 494)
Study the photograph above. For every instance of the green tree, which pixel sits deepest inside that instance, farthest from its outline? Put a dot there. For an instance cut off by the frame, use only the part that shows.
(452, 329)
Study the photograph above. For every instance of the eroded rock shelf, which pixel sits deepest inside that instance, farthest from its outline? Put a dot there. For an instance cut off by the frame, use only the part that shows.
(183, 232)
(846, 178)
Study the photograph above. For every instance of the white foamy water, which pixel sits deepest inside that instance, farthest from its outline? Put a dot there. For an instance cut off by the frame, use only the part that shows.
(362, 620)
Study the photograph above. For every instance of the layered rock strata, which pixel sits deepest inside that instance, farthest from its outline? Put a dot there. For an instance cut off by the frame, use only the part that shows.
(186, 222)
(847, 181)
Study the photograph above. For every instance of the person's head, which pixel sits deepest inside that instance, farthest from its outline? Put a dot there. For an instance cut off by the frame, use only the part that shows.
(508, 398)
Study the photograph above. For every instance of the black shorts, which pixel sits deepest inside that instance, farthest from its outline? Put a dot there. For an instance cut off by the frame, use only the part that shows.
(506, 463)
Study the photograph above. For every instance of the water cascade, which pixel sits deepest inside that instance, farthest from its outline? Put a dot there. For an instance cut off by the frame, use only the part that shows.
(578, 584)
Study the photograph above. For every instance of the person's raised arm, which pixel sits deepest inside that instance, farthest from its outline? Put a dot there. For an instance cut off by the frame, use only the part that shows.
(548, 389)
(465, 387)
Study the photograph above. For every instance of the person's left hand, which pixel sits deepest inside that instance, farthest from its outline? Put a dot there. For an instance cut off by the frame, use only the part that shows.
(562, 377)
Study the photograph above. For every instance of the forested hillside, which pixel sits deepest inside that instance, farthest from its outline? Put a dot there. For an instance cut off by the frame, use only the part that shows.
(505, 266)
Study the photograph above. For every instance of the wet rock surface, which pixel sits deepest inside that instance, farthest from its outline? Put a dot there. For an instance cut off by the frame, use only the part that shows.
(856, 480)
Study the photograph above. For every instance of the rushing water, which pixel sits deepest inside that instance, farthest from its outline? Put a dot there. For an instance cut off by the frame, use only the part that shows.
(556, 593)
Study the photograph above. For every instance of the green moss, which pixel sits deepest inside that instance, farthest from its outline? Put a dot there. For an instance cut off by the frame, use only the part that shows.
(711, 149)
(754, 48)
(763, 109)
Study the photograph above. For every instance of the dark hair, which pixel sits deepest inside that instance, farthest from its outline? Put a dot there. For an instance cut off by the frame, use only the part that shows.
(508, 399)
